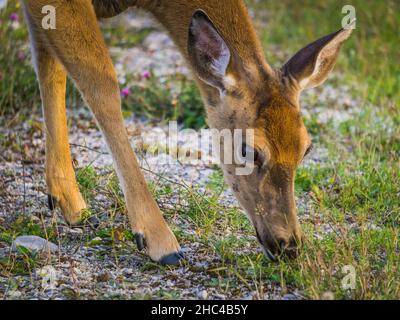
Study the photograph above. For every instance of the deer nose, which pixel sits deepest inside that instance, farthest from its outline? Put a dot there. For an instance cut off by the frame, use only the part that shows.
(289, 248)
(280, 247)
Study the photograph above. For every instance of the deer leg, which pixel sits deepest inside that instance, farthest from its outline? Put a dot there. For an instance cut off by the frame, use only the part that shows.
(60, 176)
(80, 47)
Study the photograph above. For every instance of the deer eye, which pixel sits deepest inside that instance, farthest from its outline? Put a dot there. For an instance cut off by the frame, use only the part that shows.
(309, 149)
(250, 154)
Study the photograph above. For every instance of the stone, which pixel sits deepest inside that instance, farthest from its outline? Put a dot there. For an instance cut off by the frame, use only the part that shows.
(34, 243)
(203, 295)
(290, 297)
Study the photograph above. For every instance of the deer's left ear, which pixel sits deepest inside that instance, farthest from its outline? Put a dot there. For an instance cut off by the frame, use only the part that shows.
(208, 52)
(311, 66)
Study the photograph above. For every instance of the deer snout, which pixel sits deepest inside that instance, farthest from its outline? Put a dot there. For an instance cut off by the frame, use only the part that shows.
(289, 248)
(282, 248)
(281, 245)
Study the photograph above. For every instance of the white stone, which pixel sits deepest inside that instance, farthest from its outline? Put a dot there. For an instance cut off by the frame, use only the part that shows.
(34, 243)
(203, 295)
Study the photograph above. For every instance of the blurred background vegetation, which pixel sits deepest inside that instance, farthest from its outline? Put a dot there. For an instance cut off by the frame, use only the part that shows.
(370, 58)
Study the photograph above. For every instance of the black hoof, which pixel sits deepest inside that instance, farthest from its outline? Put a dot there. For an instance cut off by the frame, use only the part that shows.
(51, 202)
(172, 259)
(140, 241)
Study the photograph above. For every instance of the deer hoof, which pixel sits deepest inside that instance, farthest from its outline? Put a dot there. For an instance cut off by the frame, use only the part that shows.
(140, 241)
(172, 259)
(51, 202)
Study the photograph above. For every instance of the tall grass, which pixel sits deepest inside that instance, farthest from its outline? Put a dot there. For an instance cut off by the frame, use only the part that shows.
(176, 98)
(370, 57)
(18, 86)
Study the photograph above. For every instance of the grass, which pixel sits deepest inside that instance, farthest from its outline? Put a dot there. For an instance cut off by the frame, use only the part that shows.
(23, 261)
(364, 236)
(177, 98)
(87, 180)
(18, 88)
(350, 210)
(374, 36)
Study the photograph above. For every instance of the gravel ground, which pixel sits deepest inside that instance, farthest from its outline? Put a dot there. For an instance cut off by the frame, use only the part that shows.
(79, 271)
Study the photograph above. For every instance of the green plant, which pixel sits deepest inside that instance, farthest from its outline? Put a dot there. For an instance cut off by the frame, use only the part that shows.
(18, 87)
(173, 99)
(87, 179)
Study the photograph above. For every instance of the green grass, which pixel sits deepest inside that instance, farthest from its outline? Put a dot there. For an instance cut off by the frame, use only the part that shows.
(176, 98)
(18, 87)
(87, 179)
(318, 271)
(23, 261)
(369, 58)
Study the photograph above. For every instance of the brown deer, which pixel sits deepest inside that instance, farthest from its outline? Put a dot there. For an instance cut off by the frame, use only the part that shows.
(239, 88)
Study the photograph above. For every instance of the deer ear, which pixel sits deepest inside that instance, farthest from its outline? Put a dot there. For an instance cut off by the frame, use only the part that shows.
(208, 52)
(311, 66)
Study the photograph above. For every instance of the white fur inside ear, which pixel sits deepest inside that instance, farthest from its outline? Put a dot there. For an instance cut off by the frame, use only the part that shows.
(306, 82)
(326, 54)
(229, 81)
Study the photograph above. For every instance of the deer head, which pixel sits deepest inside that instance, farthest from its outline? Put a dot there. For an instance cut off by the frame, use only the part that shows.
(249, 94)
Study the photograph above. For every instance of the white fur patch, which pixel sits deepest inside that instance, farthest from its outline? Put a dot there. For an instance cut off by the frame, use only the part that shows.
(229, 81)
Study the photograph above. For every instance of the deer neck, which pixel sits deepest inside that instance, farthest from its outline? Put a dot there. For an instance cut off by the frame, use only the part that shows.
(230, 18)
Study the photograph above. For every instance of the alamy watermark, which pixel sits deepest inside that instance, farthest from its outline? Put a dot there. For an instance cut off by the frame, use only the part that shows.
(349, 20)
(349, 280)
(49, 278)
(49, 20)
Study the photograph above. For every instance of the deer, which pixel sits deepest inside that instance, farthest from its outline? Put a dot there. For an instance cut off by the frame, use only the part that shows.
(239, 88)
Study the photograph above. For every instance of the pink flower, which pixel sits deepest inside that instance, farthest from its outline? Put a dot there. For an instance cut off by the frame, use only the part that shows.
(125, 92)
(21, 55)
(13, 17)
(146, 75)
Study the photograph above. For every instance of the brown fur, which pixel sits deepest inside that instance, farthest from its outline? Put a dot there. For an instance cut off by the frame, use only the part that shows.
(248, 93)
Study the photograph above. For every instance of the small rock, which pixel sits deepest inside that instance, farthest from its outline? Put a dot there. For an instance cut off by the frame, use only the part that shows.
(328, 296)
(75, 231)
(35, 219)
(203, 295)
(34, 243)
(290, 297)
(14, 294)
(127, 271)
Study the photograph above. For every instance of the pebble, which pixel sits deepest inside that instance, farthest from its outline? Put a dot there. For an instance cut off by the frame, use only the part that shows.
(219, 296)
(75, 231)
(203, 294)
(34, 243)
(290, 297)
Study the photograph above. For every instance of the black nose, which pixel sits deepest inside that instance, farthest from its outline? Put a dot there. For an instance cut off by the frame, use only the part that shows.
(289, 248)
(280, 247)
